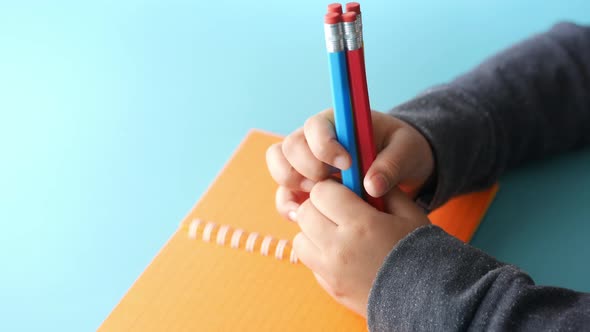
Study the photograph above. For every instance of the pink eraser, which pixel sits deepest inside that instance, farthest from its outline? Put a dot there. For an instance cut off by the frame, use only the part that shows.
(353, 7)
(332, 18)
(335, 8)
(349, 17)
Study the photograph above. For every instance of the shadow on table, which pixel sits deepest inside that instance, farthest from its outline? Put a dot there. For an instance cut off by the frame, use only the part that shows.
(540, 221)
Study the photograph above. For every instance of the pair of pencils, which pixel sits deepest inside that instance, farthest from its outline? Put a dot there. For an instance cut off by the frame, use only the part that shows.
(350, 95)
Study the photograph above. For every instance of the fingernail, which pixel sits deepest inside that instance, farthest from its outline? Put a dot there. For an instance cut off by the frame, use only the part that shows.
(292, 215)
(307, 184)
(341, 162)
(379, 184)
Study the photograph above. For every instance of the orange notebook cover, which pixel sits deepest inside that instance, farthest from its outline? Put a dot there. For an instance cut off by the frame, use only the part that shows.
(229, 266)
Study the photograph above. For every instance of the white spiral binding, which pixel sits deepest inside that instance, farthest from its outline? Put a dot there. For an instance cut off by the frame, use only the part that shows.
(193, 228)
(221, 234)
(251, 241)
(265, 245)
(280, 248)
(235, 238)
(207, 232)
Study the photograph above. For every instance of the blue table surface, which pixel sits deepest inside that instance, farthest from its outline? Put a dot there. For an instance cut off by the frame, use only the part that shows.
(116, 116)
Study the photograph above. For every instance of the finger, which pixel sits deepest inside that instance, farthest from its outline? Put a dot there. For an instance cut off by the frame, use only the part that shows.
(319, 229)
(307, 252)
(400, 204)
(296, 150)
(321, 137)
(287, 201)
(392, 164)
(339, 204)
(281, 170)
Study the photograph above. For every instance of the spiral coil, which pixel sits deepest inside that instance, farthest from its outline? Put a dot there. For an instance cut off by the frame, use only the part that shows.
(225, 235)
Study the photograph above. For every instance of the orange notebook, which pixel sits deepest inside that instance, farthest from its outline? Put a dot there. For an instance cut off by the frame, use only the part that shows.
(229, 266)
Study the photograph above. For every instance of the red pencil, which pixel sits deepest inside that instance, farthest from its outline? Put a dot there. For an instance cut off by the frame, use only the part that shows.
(360, 95)
(356, 8)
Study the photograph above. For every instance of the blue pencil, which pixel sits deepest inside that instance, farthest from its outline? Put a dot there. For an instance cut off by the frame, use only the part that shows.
(343, 117)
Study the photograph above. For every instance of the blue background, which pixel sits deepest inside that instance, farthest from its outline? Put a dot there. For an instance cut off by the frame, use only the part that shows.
(116, 116)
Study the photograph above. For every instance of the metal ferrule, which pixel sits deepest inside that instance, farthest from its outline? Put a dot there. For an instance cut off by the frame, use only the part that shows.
(359, 27)
(351, 36)
(359, 21)
(334, 37)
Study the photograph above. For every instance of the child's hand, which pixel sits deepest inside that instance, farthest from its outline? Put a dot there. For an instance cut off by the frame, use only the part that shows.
(310, 154)
(344, 240)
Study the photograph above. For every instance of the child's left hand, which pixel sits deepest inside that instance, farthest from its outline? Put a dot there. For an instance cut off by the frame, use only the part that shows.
(344, 240)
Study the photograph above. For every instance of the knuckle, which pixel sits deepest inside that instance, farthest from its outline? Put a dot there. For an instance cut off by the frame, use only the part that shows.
(291, 142)
(319, 143)
(392, 168)
(283, 176)
(282, 172)
(287, 145)
(277, 169)
(340, 256)
(359, 231)
(272, 154)
(310, 124)
(343, 256)
(272, 150)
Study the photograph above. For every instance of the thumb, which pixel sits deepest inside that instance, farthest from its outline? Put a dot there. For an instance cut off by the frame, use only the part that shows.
(390, 166)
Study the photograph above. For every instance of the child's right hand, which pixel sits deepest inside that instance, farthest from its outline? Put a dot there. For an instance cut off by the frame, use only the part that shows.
(312, 153)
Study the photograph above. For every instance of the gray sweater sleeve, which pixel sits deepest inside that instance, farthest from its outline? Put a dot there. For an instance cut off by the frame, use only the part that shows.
(528, 102)
(434, 282)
